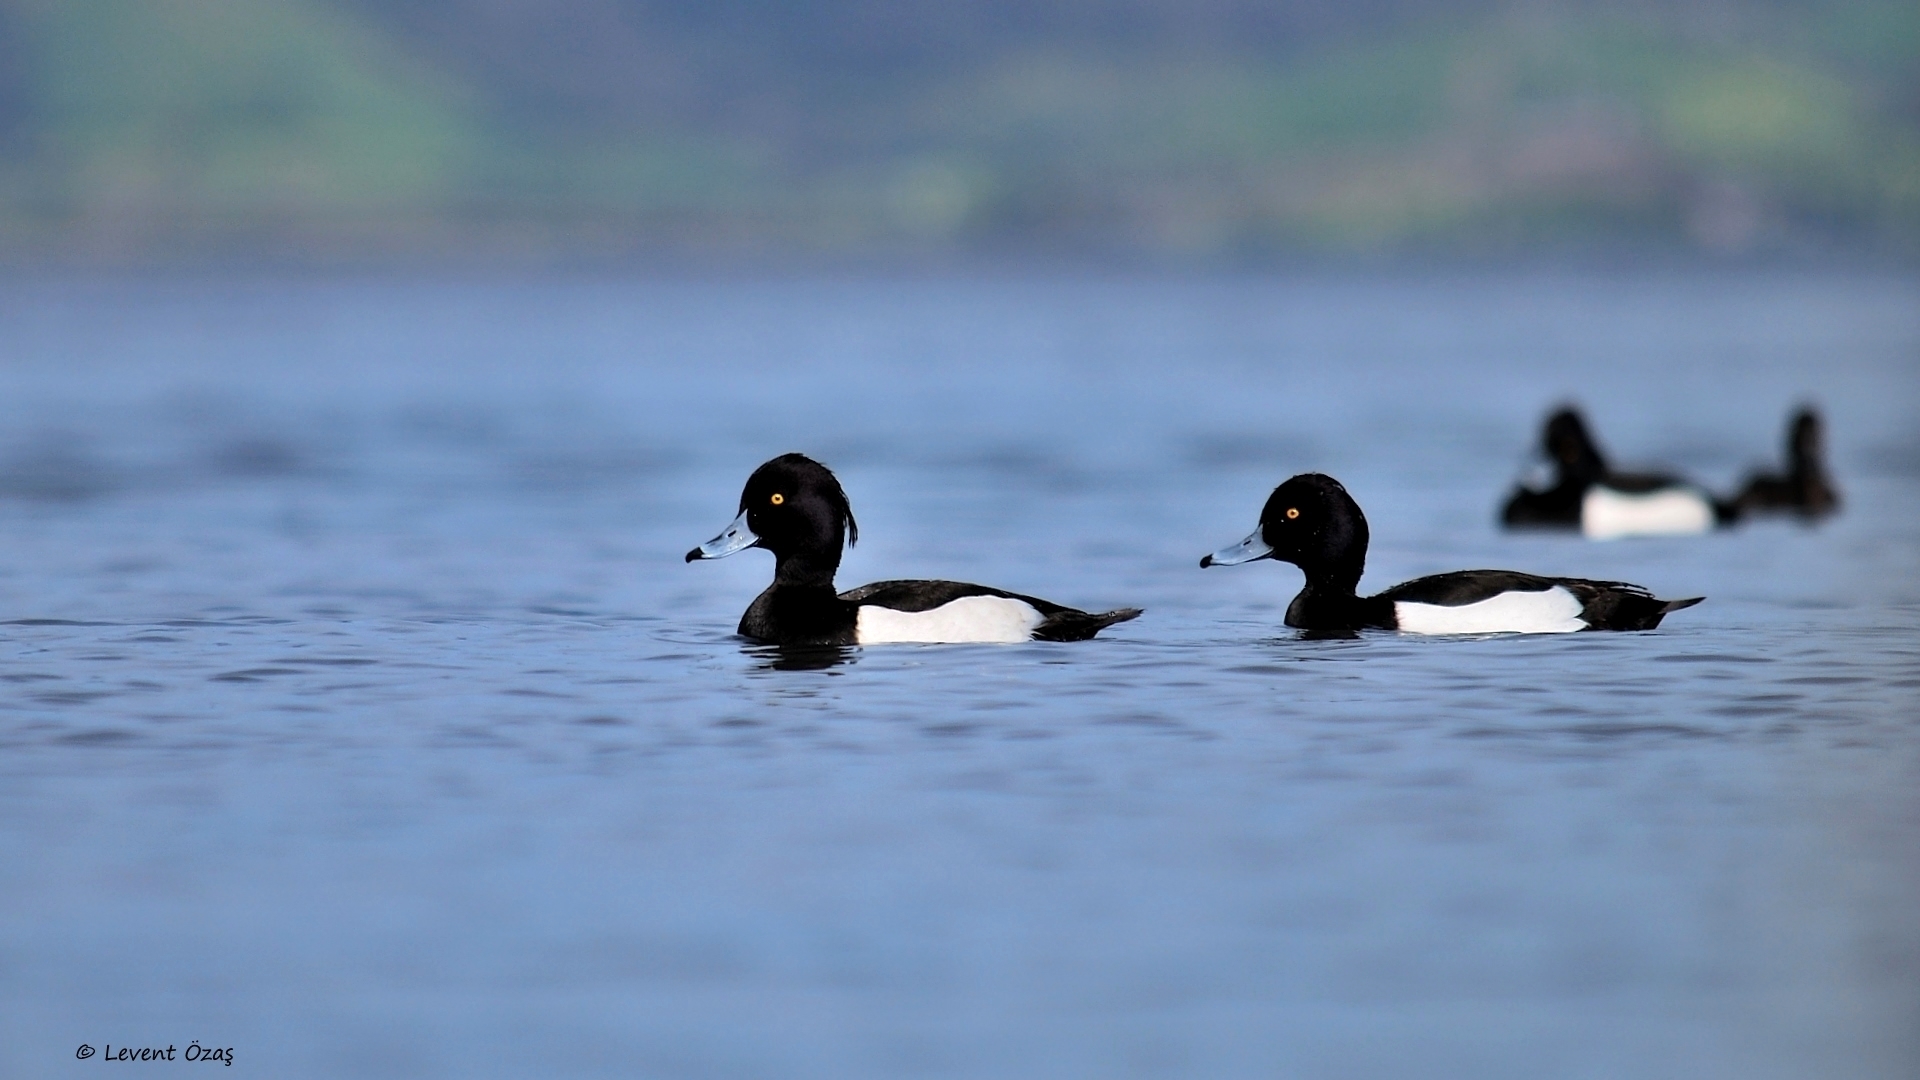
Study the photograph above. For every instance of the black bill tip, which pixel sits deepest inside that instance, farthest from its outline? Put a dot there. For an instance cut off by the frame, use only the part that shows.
(1206, 561)
(694, 555)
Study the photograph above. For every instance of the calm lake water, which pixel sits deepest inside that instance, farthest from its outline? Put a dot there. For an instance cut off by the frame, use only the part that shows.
(360, 715)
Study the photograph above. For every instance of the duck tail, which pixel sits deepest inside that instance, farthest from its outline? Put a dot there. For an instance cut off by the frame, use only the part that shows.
(1667, 607)
(1068, 624)
(1627, 607)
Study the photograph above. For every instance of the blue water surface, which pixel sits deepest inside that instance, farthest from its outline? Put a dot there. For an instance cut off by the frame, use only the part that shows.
(359, 713)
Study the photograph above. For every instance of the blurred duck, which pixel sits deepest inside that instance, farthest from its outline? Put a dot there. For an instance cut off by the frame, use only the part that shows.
(1311, 522)
(1804, 489)
(794, 507)
(1604, 504)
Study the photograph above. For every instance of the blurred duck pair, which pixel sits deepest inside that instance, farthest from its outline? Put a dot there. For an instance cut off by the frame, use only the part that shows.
(1604, 504)
(795, 508)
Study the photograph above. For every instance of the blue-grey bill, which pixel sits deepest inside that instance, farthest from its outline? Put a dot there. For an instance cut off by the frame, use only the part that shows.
(736, 537)
(1245, 551)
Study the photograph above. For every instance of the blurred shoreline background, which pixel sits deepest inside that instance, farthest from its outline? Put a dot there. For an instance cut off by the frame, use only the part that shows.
(158, 133)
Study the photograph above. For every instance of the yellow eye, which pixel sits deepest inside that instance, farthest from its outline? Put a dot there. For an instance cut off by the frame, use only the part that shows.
(778, 499)
(1292, 511)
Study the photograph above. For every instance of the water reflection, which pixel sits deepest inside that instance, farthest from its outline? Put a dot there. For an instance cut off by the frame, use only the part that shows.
(800, 657)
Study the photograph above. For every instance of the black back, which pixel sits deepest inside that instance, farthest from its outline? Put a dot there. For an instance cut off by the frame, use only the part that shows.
(1604, 605)
(914, 595)
(1464, 587)
(1058, 622)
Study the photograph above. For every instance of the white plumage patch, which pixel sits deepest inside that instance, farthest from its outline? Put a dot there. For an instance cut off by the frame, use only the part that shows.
(1606, 514)
(970, 618)
(1554, 611)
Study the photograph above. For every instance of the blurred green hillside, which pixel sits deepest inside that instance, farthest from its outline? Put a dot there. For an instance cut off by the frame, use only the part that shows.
(144, 130)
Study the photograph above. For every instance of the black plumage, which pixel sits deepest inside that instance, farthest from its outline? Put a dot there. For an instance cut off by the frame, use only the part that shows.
(1311, 522)
(1804, 488)
(794, 507)
(1579, 466)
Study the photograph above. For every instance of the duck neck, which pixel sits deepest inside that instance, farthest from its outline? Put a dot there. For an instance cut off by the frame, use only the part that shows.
(805, 571)
(1581, 474)
(1335, 580)
(1330, 602)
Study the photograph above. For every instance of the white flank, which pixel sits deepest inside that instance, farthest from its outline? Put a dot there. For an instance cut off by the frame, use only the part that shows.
(970, 618)
(1555, 611)
(1606, 514)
